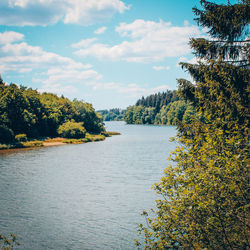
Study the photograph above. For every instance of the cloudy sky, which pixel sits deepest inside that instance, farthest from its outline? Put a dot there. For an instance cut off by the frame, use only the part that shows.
(106, 52)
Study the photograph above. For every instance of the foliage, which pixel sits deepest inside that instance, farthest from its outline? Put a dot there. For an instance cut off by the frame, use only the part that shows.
(92, 137)
(205, 203)
(4, 146)
(6, 134)
(110, 133)
(30, 144)
(76, 141)
(158, 100)
(8, 243)
(21, 137)
(26, 111)
(85, 113)
(175, 112)
(112, 114)
(169, 114)
(72, 129)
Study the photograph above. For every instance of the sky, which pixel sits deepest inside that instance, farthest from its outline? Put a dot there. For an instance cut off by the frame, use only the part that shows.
(106, 52)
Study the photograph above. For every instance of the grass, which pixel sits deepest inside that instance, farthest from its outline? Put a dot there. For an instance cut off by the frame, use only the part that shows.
(56, 139)
(5, 146)
(75, 141)
(39, 143)
(110, 133)
(32, 144)
(93, 137)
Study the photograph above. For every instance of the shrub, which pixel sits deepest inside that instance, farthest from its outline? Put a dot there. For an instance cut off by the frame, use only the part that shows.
(110, 133)
(4, 146)
(92, 137)
(21, 138)
(6, 134)
(76, 141)
(72, 129)
(32, 144)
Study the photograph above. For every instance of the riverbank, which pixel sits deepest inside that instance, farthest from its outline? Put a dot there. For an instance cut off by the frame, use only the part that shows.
(58, 141)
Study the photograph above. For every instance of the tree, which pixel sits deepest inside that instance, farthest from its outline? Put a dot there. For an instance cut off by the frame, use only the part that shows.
(205, 202)
(26, 111)
(85, 113)
(72, 129)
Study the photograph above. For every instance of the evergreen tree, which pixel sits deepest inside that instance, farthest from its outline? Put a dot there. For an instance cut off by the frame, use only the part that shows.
(205, 201)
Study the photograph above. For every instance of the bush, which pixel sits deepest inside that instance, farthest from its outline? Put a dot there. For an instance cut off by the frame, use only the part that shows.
(4, 146)
(6, 134)
(110, 133)
(92, 137)
(76, 141)
(32, 144)
(72, 129)
(21, 138)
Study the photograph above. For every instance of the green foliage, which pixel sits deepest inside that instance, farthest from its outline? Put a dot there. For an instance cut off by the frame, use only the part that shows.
(6, 134)
(76, 141)
(174, 113)
(158, 100)
(21, 137)
(4, 146)
(110, 133)
(169, 114)
(204, 200)
(112, 114)
(26, 111)
(8, 242)
(162, 108)
(30, 144)
(72, 129)
(85, 113)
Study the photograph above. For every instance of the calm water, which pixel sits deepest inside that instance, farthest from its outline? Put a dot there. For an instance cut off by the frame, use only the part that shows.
(86, 196)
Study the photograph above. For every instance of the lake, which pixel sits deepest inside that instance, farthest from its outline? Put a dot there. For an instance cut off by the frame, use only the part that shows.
(85, 196)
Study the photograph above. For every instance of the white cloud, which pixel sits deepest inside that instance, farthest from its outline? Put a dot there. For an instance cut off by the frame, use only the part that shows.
(57, 72)
(100, 30)
(159, 68)
(148, 42)
(132, 90)
(84, 43)
(44, 12)
(10, 37)
(193, 60)
(58, 89)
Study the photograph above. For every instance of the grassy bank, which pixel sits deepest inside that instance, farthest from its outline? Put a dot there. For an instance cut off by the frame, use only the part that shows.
(46, 142)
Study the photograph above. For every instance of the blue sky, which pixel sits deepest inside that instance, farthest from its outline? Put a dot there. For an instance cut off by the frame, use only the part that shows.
(106, 52)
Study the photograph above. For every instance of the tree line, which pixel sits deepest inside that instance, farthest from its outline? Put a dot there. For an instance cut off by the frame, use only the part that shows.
(164, 108)
(26, 111)
(114, 114)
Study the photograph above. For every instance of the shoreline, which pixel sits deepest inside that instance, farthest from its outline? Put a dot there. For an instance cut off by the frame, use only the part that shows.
(57, 141)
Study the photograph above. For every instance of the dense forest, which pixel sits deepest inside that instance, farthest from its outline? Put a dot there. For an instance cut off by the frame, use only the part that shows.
(27, 112)
(204, 194)
(162, 108)
(114, 114)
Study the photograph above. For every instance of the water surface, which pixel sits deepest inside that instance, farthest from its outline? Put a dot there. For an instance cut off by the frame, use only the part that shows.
(86, 196)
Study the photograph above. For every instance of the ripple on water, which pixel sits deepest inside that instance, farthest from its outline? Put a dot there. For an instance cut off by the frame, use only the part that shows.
(86, 196)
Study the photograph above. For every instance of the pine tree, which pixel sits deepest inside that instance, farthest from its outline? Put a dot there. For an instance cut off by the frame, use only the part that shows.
(205, 202)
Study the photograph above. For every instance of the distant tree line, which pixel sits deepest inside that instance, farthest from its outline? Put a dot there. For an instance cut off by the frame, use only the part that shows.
(162, 108)
(115, 114)
(25, 111)
(158, 100)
